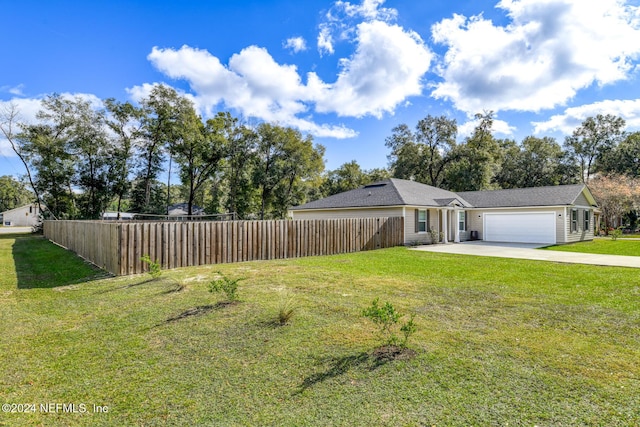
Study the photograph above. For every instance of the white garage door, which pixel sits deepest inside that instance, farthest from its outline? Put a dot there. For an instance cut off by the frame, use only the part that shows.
(538, 227)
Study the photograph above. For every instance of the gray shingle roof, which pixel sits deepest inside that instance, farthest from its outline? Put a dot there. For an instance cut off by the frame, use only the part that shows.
(390, 192)
(400, 192)
(559, 195)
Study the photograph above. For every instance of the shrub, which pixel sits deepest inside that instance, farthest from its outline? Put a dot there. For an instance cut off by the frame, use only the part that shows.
(408, 329)
(286, 310)
(154, 266)
(386, 317)
(615, 233)
(227, 285)
(436, 236)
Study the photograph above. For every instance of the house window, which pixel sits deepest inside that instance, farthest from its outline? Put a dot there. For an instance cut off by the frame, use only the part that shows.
(422, 220)
(587, 220)
(574, 220)
(462, 223)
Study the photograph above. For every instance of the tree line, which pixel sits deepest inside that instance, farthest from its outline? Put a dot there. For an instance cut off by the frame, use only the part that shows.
(81, 161)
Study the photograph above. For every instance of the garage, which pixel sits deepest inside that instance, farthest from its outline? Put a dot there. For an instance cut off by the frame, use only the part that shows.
(526, 227)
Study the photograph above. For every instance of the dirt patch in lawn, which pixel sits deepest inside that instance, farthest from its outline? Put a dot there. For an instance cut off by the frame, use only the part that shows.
(387, 353)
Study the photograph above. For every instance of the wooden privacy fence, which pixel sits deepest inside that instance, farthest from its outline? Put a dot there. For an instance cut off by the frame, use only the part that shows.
(118, 247)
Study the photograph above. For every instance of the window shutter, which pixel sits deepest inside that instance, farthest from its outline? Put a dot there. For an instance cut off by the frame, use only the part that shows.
(466, 219)
(427, 225)
(417, 217)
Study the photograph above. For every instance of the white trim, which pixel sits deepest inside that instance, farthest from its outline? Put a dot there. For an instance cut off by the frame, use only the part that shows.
(445, 213)
(566, 224)
(456, 232)
(520, 207)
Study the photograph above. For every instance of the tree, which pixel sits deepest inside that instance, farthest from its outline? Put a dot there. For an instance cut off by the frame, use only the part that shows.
(350, 176)
(89, 146)
(197, 148)
(158, 128)
(477, 160)
(284, 159)
(592, 141)
(234, 189)
(8, 124)
(616, 195)
(46, 146)
(124, 122)
(347, 177)
(536, 162)
(425, 154)
(625, 158)
(13, 193)
(302, 167)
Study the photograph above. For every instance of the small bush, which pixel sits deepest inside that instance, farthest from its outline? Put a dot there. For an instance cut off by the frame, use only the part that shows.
(286, 310)
(615, 233)
(386, 317)
(154, 266)
(227, 285)
(408, 329)
(436, 236)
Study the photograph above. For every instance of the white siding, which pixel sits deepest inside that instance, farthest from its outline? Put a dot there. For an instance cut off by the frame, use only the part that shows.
(347, 213)
(582, 233)
(410, 234)
(24, 216)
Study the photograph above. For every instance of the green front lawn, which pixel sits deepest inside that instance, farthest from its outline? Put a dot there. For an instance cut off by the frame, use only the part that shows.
(499, 342)
(604, 246)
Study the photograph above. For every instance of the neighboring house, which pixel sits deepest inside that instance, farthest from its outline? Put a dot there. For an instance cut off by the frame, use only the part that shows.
(559, 214)
(24, 216)
(114, 216)
(181, 209)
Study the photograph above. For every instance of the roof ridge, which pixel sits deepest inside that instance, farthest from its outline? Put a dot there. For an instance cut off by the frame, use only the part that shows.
(392, 180)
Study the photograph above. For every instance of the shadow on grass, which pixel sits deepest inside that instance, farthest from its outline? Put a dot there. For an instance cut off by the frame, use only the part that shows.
(41, 264)
(172, 286)
(338, 366)
(196, 311)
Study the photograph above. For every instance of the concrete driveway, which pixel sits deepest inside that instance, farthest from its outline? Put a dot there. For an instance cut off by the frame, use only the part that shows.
(530, 251)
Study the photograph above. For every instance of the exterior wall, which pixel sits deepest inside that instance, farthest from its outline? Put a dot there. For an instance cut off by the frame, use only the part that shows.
(347, 213)
(582, 233)
(423, 237)
(25, 216)
(476, 219)
(435, 222)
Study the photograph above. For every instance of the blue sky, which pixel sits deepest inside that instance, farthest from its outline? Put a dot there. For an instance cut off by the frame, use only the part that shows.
(345, 72)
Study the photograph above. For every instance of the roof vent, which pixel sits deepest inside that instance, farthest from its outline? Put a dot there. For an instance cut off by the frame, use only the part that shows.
(375, 185)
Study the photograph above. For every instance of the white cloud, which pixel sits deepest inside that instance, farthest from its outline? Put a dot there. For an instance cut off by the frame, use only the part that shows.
(386, 68)
(13, 90)
(342, 19)
(368, 9)
(549, 51)
(253, 83)
(325, 40)
(295, 44)
(567, 122)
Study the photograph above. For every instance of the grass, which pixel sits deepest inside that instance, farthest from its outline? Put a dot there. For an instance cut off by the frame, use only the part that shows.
(499, 342)
(602, 246)
(629, 236)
